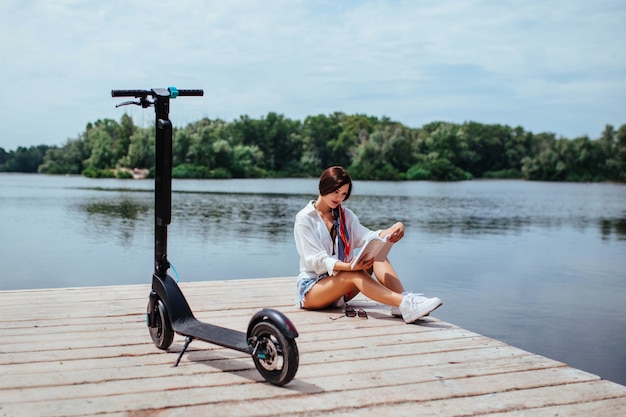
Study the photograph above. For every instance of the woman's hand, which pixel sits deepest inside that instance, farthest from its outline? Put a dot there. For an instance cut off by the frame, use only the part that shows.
(395, 232)
(363, 264)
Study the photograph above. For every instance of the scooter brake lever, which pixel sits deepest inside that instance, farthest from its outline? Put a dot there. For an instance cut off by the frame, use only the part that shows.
(143, 102)
(126, 103)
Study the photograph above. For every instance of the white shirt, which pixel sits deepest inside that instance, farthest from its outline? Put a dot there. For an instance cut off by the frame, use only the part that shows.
(315, 245)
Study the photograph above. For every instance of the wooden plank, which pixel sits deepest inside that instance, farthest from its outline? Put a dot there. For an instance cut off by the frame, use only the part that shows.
(483, 362)
(321, 394)
(597, 398)
(86, 351)
(121, 379)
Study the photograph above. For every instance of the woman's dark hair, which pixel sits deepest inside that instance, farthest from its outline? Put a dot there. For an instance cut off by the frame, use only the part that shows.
(333, 179)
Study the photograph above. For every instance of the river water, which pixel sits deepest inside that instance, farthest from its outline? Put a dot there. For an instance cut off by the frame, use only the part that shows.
(541, 266)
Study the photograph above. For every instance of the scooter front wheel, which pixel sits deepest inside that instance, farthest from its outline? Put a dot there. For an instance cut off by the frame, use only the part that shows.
(275, 355)
(162, 333)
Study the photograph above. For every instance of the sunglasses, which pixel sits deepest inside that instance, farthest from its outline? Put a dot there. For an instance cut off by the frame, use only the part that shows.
(350, 312)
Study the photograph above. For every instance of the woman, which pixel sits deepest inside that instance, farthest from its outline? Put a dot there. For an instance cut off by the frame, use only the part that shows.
(326, 235)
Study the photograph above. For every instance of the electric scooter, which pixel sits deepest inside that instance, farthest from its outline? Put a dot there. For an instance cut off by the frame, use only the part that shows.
(270, 337)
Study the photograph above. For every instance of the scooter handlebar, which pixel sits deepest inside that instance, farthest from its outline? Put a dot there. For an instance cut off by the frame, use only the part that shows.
(144, 93)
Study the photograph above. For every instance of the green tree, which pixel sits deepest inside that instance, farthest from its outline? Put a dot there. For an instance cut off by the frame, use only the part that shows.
(141, 150)
(65, 160)
(201, 145)
(23, 159)
(279, 142)
(127, 130)
(613, 147)
(618, 173)
(317, 132)
(371, 148)
(519, 146)
(447, 150)
(436, 169)
(354, 131)
(547, 164)
(180, 146)
(4, 156)
(397, 151)
(102, 153)
(485, 148)
(247, 160)
(222, 154)
(370, 163)
(449, 142)
(107, 144)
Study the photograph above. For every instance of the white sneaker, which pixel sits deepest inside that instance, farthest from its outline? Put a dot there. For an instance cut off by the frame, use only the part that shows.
(415, 306)
(395, 311)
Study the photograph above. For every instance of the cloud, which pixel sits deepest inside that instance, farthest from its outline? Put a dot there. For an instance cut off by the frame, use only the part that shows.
(548, 66)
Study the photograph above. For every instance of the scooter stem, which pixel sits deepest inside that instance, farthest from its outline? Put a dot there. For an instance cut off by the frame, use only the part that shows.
(162, 180)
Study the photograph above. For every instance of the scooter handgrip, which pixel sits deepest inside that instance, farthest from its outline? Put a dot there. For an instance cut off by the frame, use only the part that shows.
(130, 93)
(190, 92)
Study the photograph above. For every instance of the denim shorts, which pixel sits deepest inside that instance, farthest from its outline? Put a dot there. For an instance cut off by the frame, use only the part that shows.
(305, 284)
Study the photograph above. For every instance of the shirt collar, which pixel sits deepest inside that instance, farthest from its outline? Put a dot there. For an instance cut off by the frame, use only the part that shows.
(310, 208)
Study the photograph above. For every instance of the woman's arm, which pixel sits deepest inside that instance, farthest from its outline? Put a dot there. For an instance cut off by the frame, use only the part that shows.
(364, 264)
(314, 253)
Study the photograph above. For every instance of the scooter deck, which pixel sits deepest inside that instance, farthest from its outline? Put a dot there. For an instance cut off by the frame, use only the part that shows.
(211, 333)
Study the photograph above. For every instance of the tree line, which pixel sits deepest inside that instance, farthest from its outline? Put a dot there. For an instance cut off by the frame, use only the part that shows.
(371, 148)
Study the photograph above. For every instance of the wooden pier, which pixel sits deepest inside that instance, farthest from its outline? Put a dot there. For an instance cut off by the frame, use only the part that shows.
(87, 351)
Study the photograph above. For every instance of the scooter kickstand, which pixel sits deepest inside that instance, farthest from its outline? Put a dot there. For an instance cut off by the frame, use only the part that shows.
(188, 340)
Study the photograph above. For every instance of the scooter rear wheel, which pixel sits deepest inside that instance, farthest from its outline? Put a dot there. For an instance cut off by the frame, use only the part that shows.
(275, 355)
(162, 333)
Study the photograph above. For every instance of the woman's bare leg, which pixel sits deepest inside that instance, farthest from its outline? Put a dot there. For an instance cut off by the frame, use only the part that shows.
(331, 288)
(387, 276)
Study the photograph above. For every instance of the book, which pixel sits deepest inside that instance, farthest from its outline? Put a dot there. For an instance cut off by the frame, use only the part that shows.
(375, 247)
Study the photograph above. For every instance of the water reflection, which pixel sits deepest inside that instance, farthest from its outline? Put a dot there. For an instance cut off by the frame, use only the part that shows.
(203, 214)
(610, 227)
(117, 216)
(239, 215)
(124, 209)
(484, 215)
(266, 215)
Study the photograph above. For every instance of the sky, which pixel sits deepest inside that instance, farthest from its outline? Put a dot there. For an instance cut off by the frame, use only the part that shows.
(555, 66)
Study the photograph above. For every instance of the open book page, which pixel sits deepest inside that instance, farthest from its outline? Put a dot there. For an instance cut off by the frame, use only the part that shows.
(375, 247)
